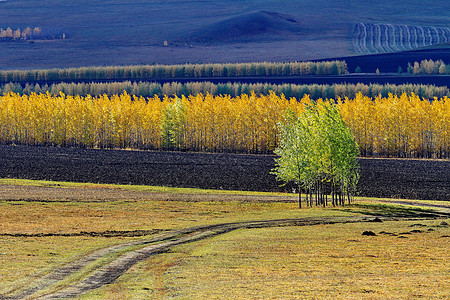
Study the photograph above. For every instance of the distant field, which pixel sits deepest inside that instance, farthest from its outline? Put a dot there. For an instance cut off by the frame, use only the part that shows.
(116, 33)
(380, 38)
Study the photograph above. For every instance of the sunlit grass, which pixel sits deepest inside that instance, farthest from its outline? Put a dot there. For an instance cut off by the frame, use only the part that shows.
(140, 188)
(25, 258)
(314, 262)
(72, 217)
(22, 257)
(271, 262)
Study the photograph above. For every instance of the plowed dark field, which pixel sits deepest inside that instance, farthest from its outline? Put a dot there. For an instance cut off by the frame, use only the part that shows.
(392, 178)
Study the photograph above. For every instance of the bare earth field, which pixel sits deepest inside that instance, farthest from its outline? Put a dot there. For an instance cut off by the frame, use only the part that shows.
(384, 178)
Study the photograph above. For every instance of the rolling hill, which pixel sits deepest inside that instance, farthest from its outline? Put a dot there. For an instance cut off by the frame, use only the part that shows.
(254, 26)
(113, 32)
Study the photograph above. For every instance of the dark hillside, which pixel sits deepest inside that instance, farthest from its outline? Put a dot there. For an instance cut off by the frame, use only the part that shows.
(389, 62)
(113, 32)
(256, 26)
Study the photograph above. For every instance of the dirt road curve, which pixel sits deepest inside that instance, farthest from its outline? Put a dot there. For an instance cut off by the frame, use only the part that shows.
(159, 244)
(148, 247)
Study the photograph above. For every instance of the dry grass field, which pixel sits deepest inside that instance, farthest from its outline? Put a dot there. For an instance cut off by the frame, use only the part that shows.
(51, 225)
(316, 262)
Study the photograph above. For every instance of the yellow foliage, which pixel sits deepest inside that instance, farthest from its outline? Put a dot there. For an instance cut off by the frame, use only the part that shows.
(403, 126)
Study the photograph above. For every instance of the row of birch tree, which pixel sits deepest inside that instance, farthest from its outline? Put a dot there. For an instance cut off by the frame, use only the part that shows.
(154, 72)
(394, 126)
(151, 89)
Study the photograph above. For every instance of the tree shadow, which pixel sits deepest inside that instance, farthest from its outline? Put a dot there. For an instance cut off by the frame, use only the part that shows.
(386, 210)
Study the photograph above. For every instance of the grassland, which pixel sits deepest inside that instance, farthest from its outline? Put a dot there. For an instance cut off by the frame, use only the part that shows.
(40, 234)
(316, 262)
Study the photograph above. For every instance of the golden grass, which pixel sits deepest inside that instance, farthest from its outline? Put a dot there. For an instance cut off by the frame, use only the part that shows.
(322, 261)
(23, 258)
(71, 217)
(315, 262)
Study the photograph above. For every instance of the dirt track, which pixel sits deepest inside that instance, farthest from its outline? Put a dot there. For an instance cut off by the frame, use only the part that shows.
(156, 241)
(162, 243)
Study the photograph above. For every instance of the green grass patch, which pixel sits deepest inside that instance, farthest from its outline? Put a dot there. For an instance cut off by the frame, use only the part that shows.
(139, 188)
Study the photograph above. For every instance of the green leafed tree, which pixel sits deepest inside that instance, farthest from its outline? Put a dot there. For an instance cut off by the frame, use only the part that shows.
(339, 142)
(293, 159)
(318, 153)
(172, 125)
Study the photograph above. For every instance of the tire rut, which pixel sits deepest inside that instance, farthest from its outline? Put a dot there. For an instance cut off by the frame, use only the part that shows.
(108, 273)
(162, 243)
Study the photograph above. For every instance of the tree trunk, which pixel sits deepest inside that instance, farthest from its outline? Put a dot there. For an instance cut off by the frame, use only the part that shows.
(299, 197)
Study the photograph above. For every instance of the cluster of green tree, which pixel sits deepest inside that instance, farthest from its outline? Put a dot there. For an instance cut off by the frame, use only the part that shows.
(428, 67)
(150, 89)
(317, 152)
(153, 72)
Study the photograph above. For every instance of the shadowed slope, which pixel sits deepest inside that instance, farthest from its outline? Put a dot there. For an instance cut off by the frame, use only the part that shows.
(252, 26)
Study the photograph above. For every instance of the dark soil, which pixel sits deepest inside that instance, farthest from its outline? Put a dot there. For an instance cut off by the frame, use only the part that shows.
(389, 62)
(107, 233)
(369, 233)
(390, 178)
(405, 178)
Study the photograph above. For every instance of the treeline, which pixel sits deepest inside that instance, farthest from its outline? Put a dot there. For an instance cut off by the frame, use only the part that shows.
(154, 72)
(399, 126)
(150, 89)
(429, 67)
(30, 34)
(395, 126)
(186, 71)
